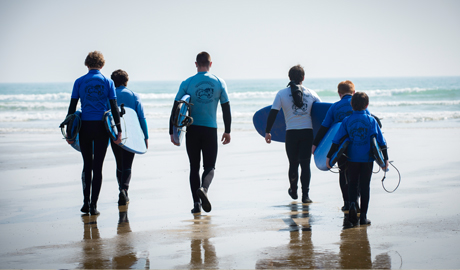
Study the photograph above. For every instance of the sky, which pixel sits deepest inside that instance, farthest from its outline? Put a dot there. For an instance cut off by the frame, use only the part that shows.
(48, 40)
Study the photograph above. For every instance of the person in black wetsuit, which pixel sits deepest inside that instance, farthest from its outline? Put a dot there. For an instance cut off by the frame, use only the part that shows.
(206, 91)
(95, 92)
(296, 101)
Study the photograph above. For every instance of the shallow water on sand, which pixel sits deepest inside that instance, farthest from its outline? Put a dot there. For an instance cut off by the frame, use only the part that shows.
(253, 224)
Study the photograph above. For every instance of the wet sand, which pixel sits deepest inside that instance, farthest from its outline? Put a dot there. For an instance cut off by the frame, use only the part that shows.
(253, 224)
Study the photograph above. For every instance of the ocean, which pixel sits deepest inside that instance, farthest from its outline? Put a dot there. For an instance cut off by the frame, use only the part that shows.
(431, 102)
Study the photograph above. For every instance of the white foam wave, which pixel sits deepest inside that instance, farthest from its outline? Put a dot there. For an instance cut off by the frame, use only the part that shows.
(397, 91)
(417, 117)
(416, 103)
(36, 97)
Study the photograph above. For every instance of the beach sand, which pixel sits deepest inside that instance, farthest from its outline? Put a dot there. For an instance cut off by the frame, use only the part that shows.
(253, 224)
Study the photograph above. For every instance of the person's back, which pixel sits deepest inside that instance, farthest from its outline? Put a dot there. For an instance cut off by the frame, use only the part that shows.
(205, 90)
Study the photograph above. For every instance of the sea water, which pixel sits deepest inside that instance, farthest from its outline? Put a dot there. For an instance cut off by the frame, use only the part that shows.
(399, 102)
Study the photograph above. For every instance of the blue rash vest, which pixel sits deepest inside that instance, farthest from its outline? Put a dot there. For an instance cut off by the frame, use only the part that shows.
(360, 127)
(132, 100)
(205, 90)
(338, 111)
(94, 91)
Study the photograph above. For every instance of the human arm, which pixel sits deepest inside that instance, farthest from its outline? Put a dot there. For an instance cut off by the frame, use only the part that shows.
(227, 115)
(319, 136)
(270, 121)
(116, 118)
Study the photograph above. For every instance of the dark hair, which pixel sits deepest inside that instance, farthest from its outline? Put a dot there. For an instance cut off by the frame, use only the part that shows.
(346, 87)
(359, 101)
(296, 74)
(95, 60)
(203, 59)
(120, 77)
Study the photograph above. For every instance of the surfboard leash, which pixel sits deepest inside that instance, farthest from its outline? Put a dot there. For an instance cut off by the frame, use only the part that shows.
(188, 120)
(67, 126)
(385, 175)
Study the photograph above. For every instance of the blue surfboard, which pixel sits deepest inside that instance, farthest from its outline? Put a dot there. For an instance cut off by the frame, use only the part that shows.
(340, 152)
(324, 146)
(133, 139)
(378, 155)
(182, 119)
(278, 132)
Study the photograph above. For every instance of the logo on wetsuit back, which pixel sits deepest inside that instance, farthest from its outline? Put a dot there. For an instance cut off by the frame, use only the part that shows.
(300, 111)
(95, 90)
(342, 112)
(358, 130)
(205, 92)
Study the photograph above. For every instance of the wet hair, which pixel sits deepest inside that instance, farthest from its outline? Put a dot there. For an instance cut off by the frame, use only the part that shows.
(203, 59)
(120, 77)
(296, 74)
(346, 87)
(359, 101)
(95, 60)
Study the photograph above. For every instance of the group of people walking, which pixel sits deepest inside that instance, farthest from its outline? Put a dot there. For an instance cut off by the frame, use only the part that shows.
(98, 94)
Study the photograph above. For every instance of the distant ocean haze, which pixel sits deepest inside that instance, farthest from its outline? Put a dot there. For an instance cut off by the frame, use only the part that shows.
(400, 102)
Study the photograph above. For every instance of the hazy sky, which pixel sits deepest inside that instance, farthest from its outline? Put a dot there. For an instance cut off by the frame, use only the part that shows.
(47, 41)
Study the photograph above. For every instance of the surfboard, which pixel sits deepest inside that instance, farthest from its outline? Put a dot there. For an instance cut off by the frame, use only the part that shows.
(133, 139)
(182, 119)
(70, 129)
(278, 132)
(339, 153)
(378, 155)
(324, 147)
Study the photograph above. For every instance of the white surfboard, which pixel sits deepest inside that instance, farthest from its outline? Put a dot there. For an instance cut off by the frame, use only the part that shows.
(133, 139)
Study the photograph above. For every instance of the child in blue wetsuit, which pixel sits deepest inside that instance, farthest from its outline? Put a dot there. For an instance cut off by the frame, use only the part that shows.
(123, 158)
(336, 113)
(359, 127)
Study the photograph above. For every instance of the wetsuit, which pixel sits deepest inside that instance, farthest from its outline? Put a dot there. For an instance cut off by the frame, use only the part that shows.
(360, 127)
(123, 158)
(299, 134)
(206, 91)
(94, 91)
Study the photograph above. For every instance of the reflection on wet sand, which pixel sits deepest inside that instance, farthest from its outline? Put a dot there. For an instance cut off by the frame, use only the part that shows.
(97, 252)
(203, 252)
(355, 251)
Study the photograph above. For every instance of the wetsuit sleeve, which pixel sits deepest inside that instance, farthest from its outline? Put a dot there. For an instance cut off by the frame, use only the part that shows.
(271, 120)
(171, 119)
(115, 113)
(320, 135)
(72, 106)
(384, 152)
(334, 148)
(227, 116)
(145, 130)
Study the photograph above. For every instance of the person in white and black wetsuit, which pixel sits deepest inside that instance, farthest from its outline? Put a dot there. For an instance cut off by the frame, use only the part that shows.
(95, 92)
(206, 91)
(123, 158)
(296, 102)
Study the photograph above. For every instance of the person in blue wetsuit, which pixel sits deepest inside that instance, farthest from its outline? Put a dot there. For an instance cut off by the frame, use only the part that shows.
(95, 93)
(296, 101)
(336, 113)
(206, 91)
(123, 158)
(359, 127)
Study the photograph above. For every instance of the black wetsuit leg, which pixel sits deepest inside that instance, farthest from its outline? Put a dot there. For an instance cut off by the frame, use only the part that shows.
(298, 149)
(343, 181)
(200, 140)
(360, 174)
(93, 145)
(124, 160)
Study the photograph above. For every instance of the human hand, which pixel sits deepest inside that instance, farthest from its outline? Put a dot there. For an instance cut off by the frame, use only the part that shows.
(70, 142)
(268, 137)
(225, 138)
(118, 140)
(328, 160)
(147, 143)
(313, 148)
(173, 141)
